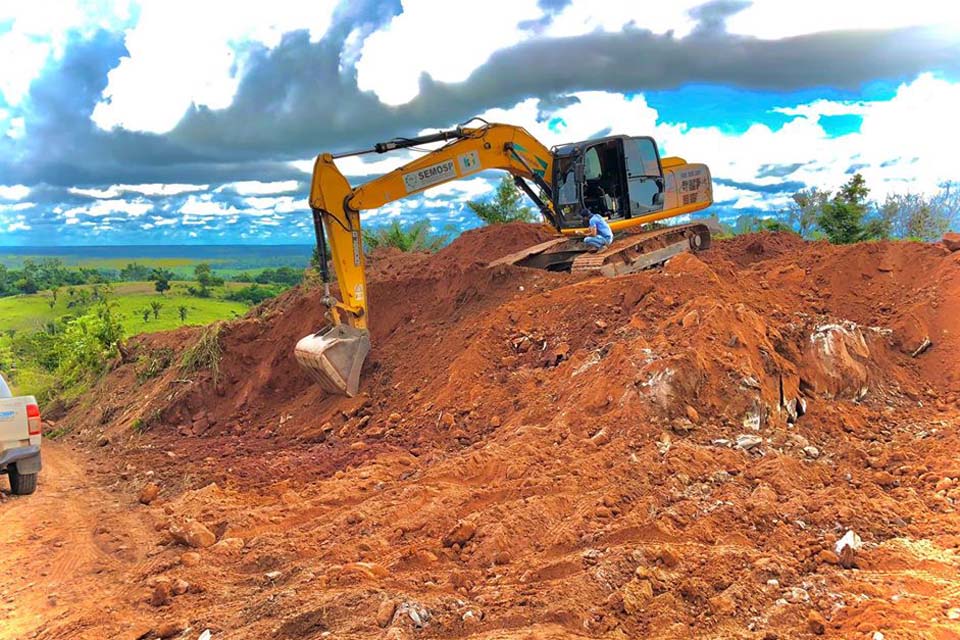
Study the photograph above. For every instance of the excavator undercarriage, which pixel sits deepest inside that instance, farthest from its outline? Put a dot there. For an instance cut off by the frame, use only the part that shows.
(630, 252)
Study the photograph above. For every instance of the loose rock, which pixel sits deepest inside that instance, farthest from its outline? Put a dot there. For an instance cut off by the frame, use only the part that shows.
(162, 594)
(636, 594)
(461, 533)
(170, 629)
(811, 452)
(193, 534)
(149, 493)
(951, 241)
(229, 546)
(816, 623)
(385, 612)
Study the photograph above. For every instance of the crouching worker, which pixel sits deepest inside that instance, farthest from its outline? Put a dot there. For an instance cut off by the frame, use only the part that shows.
(598, 233)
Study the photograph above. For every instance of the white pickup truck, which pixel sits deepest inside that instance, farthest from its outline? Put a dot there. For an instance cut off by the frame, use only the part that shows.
(19, 440)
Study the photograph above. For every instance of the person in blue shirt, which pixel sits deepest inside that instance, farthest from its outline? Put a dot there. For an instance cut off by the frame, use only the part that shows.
(598, 233)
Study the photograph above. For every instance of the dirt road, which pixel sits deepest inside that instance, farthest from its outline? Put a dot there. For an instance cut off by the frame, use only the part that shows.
(70, 554)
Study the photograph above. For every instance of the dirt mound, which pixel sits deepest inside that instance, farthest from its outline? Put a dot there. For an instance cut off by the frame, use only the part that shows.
(755, 247)
(668, 454)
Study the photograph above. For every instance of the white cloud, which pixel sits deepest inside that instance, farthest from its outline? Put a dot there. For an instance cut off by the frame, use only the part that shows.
(39, 30)
(14, 192)
(785, 19)
(152, 189)
(425, 38)
(203, 206)
(255, 187)
(420, 41)
(583, 16)
(911, 135)
(100, 208)
(19, 225)
(163, 222)
(184, 52)
(282, 204)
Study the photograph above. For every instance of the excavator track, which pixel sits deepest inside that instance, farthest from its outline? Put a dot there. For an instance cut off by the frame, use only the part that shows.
(629, 253)
(638, 251)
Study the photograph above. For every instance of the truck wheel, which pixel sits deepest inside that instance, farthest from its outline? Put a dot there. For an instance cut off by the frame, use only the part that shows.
(22, 484)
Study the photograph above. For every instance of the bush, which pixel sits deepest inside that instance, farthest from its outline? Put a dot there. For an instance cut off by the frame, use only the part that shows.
(65, 357)
(151, 365)
(282, 275)
(254, 294)
(415, 237)
(205, 354)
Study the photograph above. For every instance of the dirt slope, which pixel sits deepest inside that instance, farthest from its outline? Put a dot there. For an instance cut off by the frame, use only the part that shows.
(670, 454)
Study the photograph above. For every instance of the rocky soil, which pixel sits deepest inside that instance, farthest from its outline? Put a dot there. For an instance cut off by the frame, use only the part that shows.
(756, 442)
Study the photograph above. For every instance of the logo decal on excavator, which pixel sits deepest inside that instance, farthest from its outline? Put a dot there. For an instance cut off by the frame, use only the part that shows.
(434, 174)
(469, 162)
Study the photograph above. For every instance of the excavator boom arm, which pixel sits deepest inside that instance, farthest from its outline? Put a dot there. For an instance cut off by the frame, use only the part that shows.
(494, 146)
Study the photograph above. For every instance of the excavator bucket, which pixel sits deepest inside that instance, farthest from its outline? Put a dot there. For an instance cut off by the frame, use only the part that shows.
(334, 357)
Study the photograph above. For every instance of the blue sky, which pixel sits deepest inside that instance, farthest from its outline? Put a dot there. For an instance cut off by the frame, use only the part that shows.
(184, 122)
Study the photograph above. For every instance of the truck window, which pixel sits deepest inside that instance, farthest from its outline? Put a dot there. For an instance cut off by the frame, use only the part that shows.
(4, 389)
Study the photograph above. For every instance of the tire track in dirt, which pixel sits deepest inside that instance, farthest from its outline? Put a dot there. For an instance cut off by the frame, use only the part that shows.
(50, 540)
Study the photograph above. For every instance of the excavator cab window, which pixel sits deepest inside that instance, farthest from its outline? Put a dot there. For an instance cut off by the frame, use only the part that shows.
(644, 177)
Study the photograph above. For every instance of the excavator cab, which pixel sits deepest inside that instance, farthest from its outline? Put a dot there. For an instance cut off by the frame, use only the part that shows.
(619, 177)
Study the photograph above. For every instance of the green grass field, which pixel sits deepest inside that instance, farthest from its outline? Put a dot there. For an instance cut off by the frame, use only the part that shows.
(31, 312)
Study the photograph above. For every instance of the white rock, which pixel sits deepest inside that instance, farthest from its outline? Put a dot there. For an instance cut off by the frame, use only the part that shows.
(811, 452)
(746, 441)
(877, 636)
(849, 539)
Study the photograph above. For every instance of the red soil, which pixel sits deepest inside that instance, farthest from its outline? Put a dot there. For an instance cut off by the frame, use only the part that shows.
(585, 431)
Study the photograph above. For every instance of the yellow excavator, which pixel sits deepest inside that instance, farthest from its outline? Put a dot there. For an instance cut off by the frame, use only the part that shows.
(620, 177)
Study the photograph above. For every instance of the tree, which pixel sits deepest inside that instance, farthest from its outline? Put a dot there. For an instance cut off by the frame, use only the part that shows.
(505, 206)
(842, 218)
(918, 217)
(748, 223)
(182, 310)
(802, 213)
(416, 237)
(145, 312)
(135, 271)
(204, 275)
(161, 279)
(155, 306)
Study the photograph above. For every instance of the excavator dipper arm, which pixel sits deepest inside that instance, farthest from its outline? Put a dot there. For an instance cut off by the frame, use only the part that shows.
(335, 357)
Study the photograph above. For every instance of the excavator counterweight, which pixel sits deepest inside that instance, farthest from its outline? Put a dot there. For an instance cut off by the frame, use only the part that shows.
(622, 178)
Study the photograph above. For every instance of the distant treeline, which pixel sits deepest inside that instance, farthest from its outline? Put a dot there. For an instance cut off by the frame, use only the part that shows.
(849, 215)
(52, 273)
